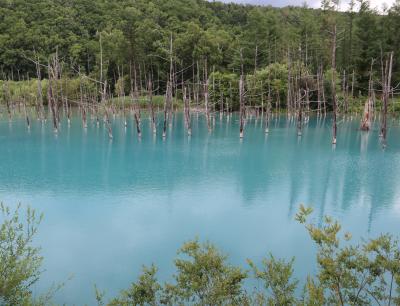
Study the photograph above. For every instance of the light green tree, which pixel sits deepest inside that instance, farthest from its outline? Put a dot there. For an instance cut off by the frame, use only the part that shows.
(351, 274)
(144, 292)
(20, 262)
(205, 278)
(276, 276)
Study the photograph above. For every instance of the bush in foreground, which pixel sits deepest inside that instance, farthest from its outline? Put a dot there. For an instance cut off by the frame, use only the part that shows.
(348, 274)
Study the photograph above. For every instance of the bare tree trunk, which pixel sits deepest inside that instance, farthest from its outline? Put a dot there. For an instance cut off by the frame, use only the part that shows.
(197, 85)
(122, 95)
(368, 108)
(221, 101)
(166, 108)
(334, 127)
(300, 114)
(289, 94)
(242, 106)
(187, 112)
(136, 106)
(344, 89)
(152, 112)
(318, 92)
(241, 98)
(307, 99)
(206, 96)
(171, 81)
(51, 100)
(28, 124)
(39, 90)
(323, 90)
(267, 116)
(135, 100)
(82, 102)
(387, 88)
(7, 97)
(255, 60)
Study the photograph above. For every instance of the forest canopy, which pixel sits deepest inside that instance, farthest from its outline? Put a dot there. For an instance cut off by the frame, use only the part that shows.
(139, 31)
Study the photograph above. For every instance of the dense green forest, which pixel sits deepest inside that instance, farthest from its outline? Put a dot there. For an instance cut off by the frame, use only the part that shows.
(139, 31)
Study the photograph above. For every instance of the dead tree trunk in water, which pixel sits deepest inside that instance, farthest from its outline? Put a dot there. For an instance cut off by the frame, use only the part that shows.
(207, 109)
(121, 94)
(345, 95)
(323, 90)
(28, 123)
(300, 114)
(241, 99)
(39, 90)
(242, 106)
(135, 100)
(307, 99)
(57, 78)
(187, 111)
(318, 92)
(103, 93)
(386, 93)
(197, 85)
(51, 99)
(167, 105)
(82, 102)
(268, 111)
(152, 112)
(368, 108)
(289, 93)
(221, 101)
(7, 97)
(334, 126)
(137, 121)
(171, 83)
(63, 97)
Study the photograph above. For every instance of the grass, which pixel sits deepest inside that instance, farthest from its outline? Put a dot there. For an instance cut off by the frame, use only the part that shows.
(158, 101)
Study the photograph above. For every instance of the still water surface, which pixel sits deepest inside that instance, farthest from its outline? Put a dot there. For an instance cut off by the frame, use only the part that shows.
(111, 206)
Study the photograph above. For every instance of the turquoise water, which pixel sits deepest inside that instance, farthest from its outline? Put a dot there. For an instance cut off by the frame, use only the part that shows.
(111, 206)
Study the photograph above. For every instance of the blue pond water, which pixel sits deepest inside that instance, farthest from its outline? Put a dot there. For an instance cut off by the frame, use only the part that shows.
(111, 206)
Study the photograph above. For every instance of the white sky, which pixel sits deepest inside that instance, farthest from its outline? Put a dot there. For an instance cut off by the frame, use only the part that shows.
(312, 3)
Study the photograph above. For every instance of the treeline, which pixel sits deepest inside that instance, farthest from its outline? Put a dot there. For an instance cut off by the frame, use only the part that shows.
(212, 56)
(227, 35)
(347, 274)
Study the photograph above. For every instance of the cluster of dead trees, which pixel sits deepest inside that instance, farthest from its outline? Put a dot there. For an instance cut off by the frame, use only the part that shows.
(386, 92)
(305, 94)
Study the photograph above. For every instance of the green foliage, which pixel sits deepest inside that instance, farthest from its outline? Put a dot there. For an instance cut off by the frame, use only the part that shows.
(28, 90)
(313, 294)
(272, 79)
(144, 292)
(20, 262)
(276, 276)
(363, 274)
(352, 274)
(138, 32)
(158, 101)
(204, 278)
(303, 214)
(224, 85)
